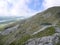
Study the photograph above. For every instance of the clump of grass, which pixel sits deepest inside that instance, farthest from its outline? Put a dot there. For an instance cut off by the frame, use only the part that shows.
(2, 26)
(46, 32)
(22, 40)
(58, 43)
(1, 42)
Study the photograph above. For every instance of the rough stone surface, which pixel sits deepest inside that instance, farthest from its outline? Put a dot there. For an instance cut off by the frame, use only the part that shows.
(47, 40)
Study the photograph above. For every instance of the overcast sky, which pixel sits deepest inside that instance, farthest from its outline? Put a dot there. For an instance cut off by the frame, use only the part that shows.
(25, 7)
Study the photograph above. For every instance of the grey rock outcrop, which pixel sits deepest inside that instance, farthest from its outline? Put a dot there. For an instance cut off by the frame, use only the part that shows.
(47, 40)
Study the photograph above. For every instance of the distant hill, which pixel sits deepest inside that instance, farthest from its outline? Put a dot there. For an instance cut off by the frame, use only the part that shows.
(7, 19)
(10, 17)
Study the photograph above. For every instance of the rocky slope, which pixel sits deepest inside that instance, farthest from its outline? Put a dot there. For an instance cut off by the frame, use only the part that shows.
(40, 29)
(45, 40)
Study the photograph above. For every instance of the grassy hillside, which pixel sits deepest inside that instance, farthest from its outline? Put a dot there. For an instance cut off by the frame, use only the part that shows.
(28, 26)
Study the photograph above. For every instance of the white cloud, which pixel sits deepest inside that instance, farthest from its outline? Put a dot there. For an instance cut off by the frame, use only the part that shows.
(51, 3)
(20, 7)
(15, 8)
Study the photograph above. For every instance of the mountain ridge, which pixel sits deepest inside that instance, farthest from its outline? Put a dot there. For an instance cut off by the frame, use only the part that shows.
(27, 27)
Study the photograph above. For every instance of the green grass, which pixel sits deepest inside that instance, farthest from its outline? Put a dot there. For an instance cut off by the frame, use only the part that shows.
(2, 26)
(7, 25)
(22, 40)
(1, 42)
(46, 32)
(58, 23)
(58, 43)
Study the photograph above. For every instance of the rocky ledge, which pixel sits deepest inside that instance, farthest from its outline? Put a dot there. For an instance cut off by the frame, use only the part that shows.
(47, 40)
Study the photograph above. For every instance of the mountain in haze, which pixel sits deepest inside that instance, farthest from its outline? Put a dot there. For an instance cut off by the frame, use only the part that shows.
(7, 19)
(10, 17)
(40, 29)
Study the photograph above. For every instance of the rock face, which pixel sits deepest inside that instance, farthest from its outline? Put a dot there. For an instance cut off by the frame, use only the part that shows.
(47, 40)
(57, 29)
(9, 30)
